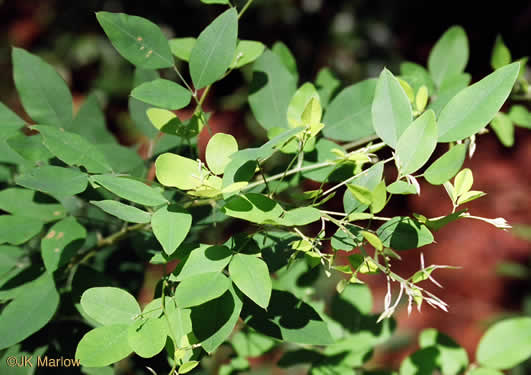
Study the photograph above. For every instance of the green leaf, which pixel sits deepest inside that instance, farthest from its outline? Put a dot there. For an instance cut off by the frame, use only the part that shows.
(520, 116)
(205, 259)
(137, 39)
(298, 103)
(44, 94)
(416, 75)
(449, 55)
(463, 181)
(178, 171)
(104, 346)
(73, 149)
(404, 233)
(34, 306)
(323, 152)
(362, 194)
(474, 107)
(182, 47)
(504, 129)
(214, 49)
(327, 84)
(349, 116)
(251, 276)
(122, 159)
(470, 196)
(30, 148)
(123, 211)
(247, 51)
(300, 216)
(147, 337)
(163, 93)
(132, 190)
(288, 319)
(372, 239)
(190, 365)
(251, 344)
(450, 88)
(401, 187)
(56, 181)
(20, 202)
(215, 320)
(484, 371)
(271, 91)
(423, 361)
(452, 358)
(218, 151)
(516, 348)
(447, 166)
(342, 241)
(61, 243)
(417, 143)
(287, 58)
(369, 180)
(211, 2)
(501, 55)
(170, 226)
(391, 109)
(18, 229)
(109, 305)
(90, 122)
(198, 289)
(138, 109)
(421, 99)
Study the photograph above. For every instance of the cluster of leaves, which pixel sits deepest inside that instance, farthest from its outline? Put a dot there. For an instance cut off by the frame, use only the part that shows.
(66, 175)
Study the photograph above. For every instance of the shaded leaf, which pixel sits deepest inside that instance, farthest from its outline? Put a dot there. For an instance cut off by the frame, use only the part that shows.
(403, 233)
(44, 94)
(163, 93)
(123, 211)
(61, 243)
(170, 226)
(251, 276)
(18, 229)
(104, 346)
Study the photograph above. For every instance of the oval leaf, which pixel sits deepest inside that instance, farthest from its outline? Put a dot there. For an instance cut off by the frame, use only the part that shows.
(56, 181)
(104, 346)
(123, 211)
(403, 233)
(109, 305)
(214, 49)
(44, 94)
(198, 289)
(391, 109)
(417, 143)
(170, 226)
(163, 93)
(474, 107)
(17, 230)
(251, 276)
(34, 305)
(247, 51)
(147, 337)
(178, 171)
(137, 39)
(61, 243)
(516, 348)
(73, 149)
(205, 259)
(349, 115)
(271, 91)
(218, 151)
(132, 190)
(449, 56)
(182, 47)
(447, 166)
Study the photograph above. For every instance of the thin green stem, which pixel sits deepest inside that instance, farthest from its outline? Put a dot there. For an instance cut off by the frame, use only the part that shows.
(360, 142)
(289, 172)
(247, 5)
(184, 81)
(171, 332)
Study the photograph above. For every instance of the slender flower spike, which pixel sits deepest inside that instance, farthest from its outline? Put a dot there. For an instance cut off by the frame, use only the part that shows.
(498, 222)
